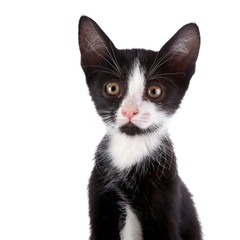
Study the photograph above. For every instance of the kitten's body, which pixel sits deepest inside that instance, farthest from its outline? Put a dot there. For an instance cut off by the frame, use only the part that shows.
(135, 192)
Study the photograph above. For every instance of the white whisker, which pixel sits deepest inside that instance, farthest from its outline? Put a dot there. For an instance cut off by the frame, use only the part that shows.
(105, 70)
(157, 64)
(113, 60)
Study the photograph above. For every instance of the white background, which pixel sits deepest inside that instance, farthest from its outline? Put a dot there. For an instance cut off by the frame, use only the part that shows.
(49, 129)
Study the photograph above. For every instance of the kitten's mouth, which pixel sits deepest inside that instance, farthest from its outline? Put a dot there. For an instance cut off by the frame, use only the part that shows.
(132, 129)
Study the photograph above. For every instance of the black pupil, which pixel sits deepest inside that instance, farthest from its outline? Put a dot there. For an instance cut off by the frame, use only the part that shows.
(113, 89)
(154, 91)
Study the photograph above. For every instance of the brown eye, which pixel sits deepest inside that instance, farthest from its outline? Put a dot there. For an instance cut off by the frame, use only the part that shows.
(112, 89)
(154, 91)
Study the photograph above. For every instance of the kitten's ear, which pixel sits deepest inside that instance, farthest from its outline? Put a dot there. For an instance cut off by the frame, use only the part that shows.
(93, 42)
(181, 51)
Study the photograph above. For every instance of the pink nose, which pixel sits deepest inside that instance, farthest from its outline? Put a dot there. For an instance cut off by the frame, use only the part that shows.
(129, 113)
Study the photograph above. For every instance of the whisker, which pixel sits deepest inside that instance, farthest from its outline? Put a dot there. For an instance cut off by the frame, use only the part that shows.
(150, 70)
(113, 65)
(165, 58)
(161, 77)
(113, 58)
(164, 74)
(108, 71)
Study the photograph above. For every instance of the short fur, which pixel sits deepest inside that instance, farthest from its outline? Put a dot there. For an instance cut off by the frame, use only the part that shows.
(135, 191)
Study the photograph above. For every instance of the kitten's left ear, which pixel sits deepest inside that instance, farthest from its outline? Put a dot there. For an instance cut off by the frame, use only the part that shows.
(181, 51)
(93, 42)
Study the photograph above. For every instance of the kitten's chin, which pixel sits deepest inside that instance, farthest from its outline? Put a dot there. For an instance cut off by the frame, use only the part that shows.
(132, 130)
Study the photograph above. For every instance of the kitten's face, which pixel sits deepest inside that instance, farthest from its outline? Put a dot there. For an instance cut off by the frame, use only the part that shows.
(136, 91)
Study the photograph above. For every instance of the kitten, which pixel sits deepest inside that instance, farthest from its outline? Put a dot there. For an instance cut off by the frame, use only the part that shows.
(135, 192)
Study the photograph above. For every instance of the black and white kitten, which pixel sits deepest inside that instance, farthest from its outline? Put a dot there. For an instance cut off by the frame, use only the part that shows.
(135, 192)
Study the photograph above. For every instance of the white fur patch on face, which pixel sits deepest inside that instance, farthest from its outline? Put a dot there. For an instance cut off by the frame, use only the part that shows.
(133, 99)
(136, 81)
(126, 150)
(132, 229)
(147, 112)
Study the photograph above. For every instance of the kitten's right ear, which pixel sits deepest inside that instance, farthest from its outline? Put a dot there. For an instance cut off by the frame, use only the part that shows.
(93, 42)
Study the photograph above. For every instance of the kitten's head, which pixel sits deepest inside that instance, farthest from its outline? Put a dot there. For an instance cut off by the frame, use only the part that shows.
(136, 91)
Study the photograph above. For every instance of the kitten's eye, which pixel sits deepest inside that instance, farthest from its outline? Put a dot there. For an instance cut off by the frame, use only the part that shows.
(154, 91)
(112, 89)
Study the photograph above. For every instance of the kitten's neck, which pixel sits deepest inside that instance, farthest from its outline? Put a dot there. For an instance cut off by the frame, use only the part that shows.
(126, 151)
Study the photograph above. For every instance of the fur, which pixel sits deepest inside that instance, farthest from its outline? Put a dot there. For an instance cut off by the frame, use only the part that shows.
(135, 192)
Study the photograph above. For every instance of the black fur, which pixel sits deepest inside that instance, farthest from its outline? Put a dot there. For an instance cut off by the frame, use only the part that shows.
(152, 187)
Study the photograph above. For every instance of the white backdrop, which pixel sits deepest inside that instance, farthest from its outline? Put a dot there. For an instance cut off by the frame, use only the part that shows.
(49, 129)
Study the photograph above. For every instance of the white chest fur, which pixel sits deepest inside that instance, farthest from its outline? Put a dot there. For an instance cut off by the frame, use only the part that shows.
(125, 151)
(132, 229)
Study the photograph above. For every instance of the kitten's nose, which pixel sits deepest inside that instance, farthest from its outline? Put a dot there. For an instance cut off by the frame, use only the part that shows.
(130, 113)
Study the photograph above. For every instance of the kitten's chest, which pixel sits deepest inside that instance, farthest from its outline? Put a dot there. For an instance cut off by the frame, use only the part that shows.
(126, 151)
(132, 229)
